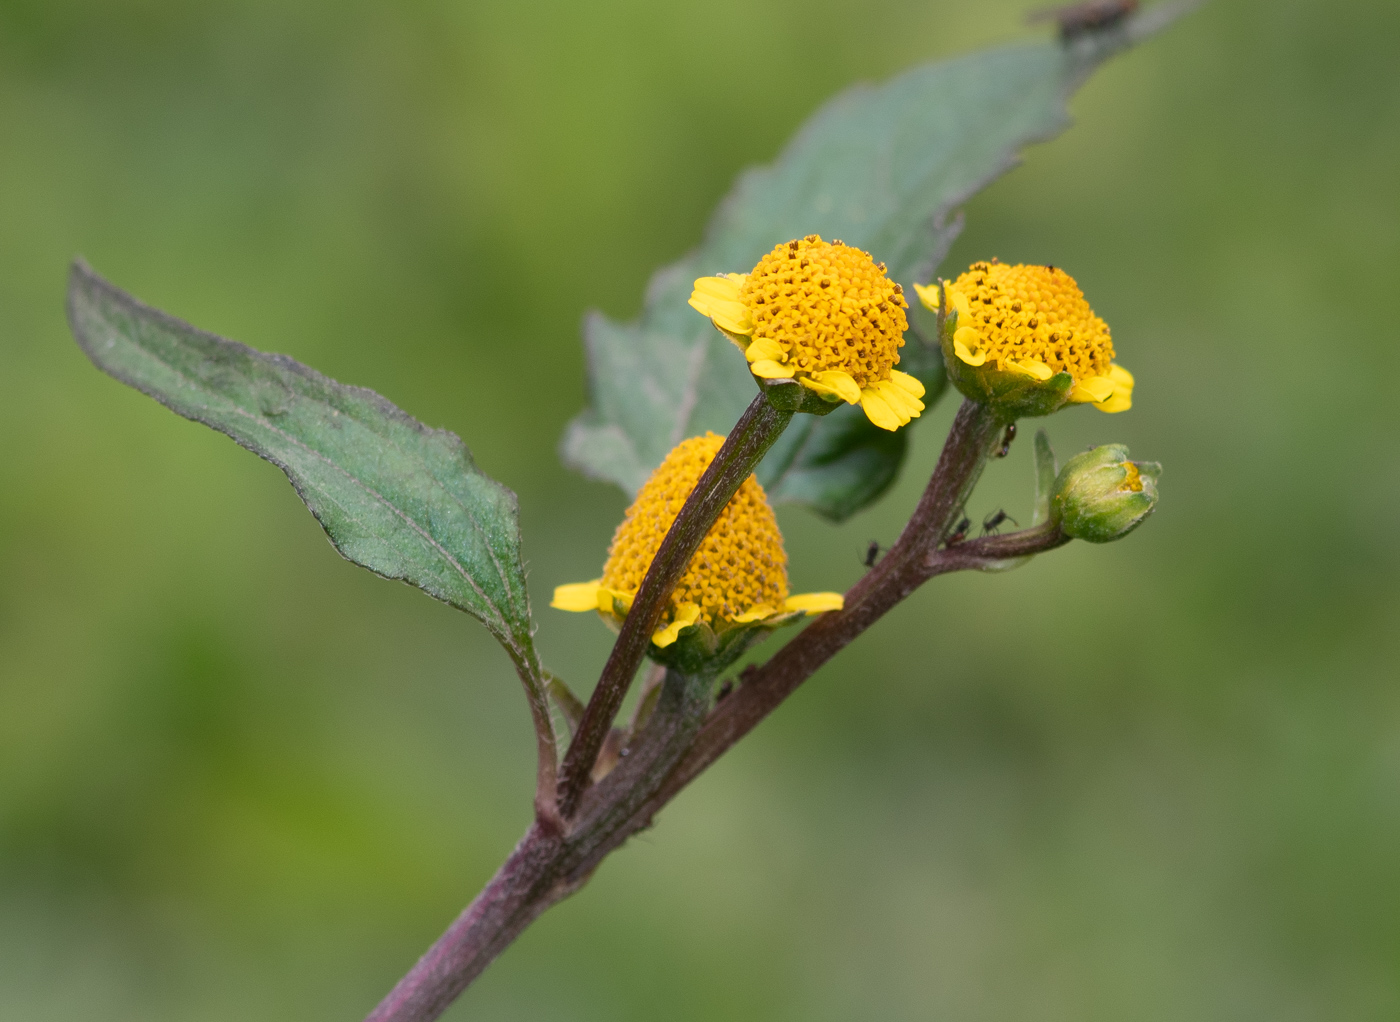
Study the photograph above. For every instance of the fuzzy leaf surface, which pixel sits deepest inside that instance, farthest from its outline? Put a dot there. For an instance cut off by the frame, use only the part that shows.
(882, 168)
(401, 499)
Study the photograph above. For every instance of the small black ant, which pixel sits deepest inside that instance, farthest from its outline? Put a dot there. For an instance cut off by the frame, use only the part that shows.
(1006, 439)
(872, 554)
(1085, 18)
(991, 525)
(724, 690)
(959, 533)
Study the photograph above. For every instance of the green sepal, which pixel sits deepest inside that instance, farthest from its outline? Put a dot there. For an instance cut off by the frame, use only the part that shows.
(791, 396)
(705, 651)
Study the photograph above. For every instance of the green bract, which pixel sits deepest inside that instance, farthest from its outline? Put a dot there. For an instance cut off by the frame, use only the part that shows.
(702, 650)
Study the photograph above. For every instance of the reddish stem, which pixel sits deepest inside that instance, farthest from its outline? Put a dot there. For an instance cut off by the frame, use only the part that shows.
(679, 741)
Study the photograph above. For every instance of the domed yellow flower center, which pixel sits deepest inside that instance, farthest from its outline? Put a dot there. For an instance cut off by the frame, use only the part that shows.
(1032, 320)
(828, 307)
(1034, 313)
(736, 579)
(825, 315)
(740, 564)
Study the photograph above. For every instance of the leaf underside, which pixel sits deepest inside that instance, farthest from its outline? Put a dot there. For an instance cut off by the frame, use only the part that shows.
(405, 501)
(881, 168)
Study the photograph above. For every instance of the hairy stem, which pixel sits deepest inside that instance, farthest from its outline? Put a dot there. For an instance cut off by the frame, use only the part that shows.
(989, 551)
(533, 676)
(755, 432)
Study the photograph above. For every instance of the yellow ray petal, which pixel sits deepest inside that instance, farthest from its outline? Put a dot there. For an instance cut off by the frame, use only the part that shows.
(577, 596)
(718, 298)
(906, 382)
(757, 613)
(928, 294)
(1092, 389)
(725, 288)
(814, 603)
(731, 317)
(613, 602)
(905, 404)
(771, 370)
(959, 303)
(833, 382)
(686, 615)
(1032, 367)
(1122, 397)
(764, 348)
(967, 345)
(878, 410)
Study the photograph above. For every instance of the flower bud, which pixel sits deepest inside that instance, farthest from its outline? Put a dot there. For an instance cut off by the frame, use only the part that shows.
(1101, 496)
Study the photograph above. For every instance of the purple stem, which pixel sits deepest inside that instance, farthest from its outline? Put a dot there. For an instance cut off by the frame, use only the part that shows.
(683, 736)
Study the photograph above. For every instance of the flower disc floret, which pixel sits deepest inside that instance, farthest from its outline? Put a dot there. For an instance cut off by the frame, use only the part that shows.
(737, 576)
(1035, 321)
(824, 314)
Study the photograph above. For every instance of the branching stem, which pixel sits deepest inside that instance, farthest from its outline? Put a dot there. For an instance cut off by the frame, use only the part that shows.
(747, 443)
(683, 735)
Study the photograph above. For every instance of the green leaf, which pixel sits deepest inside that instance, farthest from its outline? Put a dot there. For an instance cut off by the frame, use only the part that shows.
(1045, 472)
(405, 501)
(882, 168)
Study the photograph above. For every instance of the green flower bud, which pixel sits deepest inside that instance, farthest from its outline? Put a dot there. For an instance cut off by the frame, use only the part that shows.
(1101, 496)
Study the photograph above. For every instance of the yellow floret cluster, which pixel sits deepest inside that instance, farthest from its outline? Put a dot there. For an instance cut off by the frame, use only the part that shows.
(1035, 312)
(740, 563)
(830, 307)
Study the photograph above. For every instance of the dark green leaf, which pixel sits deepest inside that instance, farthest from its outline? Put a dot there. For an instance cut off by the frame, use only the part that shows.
(405, 501)
(881, 168)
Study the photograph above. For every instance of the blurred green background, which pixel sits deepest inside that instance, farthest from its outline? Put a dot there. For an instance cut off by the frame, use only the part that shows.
(242, 779)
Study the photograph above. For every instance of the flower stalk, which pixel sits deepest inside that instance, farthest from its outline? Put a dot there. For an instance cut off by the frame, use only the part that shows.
(756, 431)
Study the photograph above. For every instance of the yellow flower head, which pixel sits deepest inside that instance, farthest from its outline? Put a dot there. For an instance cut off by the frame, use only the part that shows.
(826, 315)
(738, 576)
(1032, 321)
